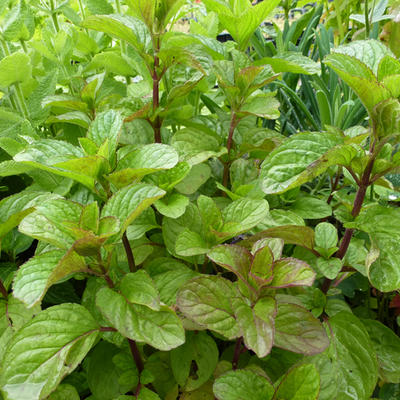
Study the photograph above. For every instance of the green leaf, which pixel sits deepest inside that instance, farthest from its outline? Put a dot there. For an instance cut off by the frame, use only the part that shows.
(73, 117)
(242, 384)
(386, 117)
(112, 62)
(297, 330)
(190, 243)
(197, 176)
(14, 68)
(262, 263)
(65, 391)
(129, 202)
(329, 268)
(352, 366)
(169, 275)
(161, 329)
(42, 271)
(256, 323)
(234, 258)
(195, 146)
(173, 205)
(145, 160)
(261, 105)
(99, 6)
(291, 164)
(200, 349)
(387, 346)
(309, 207)
(206, 301)
(107, 125)
(19, 23)
(64, 101)
(45, 350)
(289, 272)
(291, 61)
(243, 214)
(15, 208)
(127, 28)
(49, 222)
(299, 383)
(139, 288)
(326, 235)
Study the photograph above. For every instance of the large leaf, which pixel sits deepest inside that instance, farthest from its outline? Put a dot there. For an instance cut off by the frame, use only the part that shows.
(14, 209)
(297, 330)
(349, 368)
(49, 222)
(387, 346)
(299, 383)
(291, 272)
(200, 349)
(161, 329)
(242, 384)
(14, 68)
(40, 272)
(207, 301)
(143, 161)
(293, 62)
(292, 163)
(130, 202)
(127, 28)
(45, 350)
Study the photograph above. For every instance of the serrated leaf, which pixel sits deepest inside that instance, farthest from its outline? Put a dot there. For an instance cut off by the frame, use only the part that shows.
(190, 243)
(201, 349)
(40, 272)
(112, 62)
(291, 164)
(139, 288)
(242, 384)
(173, 205)
(329, 268)
(297, 330)
(194, 179)
(127, 28)
(45, 350)
(293, 62)
(161, 329)
(169, 275)
(256, 323)
(299, 383)
(14, 68)
(309, 207)
(49, 222)
(65, 391)
(326, 235)
(289, 272)
(206, 301)
(129, 202)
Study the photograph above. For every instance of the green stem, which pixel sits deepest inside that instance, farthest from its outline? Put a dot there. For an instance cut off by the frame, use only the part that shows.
(21, 100)
(54, 16)
(339, 19)
(367, 26)
(234, 122)
(82, 9)
(23, 45)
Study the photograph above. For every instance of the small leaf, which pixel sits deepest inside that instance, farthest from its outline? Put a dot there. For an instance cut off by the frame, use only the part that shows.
(329, 268)
(326, 235)
(63, 335)
(14, 68)
(242, 384)
(173, 205)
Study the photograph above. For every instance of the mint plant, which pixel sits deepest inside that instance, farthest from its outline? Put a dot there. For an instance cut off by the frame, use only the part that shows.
(169, 238)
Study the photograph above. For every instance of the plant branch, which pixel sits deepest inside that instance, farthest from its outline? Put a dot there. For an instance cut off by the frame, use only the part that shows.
(358, 202)
(138, 361)
(353, 174)
(335, 184)
(236, 353)
(129, 253)
(3, 290)
(156, 91)
(234, 122)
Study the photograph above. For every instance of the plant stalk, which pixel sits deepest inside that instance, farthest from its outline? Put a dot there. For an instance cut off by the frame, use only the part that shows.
(156, 92)
(129, 253)
(3, 290)
(234, 122)
(54, 16)
(358, 202)
(236, 354)
(138, 361)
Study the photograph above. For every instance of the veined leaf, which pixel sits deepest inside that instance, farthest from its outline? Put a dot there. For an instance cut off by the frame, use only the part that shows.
(289, 272)
(242, 384)
(40, 272)
(14, 68)
(161, 329)
(297, 330)
(127, 28)
(293, 62)
(49, 222)
(45, 350)
(130, 202)
(206, 301)
(297, 161)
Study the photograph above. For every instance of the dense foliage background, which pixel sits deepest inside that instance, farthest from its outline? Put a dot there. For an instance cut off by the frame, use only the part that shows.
(199, 200)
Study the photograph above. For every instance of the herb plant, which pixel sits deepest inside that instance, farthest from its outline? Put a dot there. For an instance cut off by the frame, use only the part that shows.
(170, 229)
